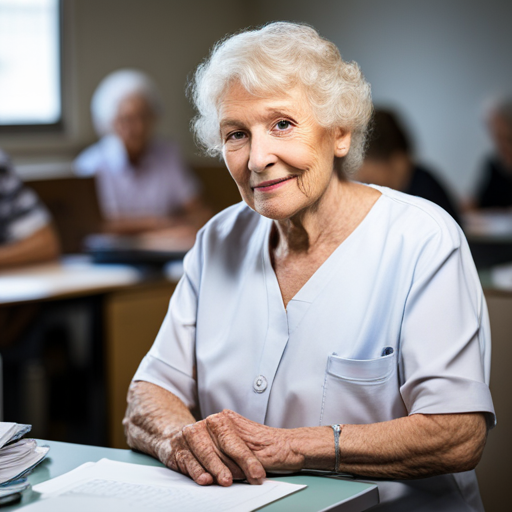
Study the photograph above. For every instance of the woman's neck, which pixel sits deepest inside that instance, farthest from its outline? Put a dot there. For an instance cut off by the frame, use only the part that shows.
(321, 225)
(299, 246)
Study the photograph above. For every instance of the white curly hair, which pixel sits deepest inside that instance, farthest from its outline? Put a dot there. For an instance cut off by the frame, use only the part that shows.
(273, 59)
(116, 87)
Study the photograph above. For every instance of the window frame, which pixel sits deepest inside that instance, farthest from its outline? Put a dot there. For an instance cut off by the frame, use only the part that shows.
(58, 126)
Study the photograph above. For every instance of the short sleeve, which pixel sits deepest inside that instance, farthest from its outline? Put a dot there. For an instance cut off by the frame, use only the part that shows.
(170, 363)
(21, 212)
(445, 337)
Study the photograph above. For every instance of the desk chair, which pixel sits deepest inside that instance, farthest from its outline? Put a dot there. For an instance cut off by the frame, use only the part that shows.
(74, 206)
(73, 202)
(219, 188)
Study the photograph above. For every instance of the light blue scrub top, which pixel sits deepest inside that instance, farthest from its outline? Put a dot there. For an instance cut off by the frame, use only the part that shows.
(393, 323)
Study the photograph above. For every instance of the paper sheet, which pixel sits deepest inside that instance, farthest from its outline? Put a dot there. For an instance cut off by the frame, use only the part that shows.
(110, 485)
(10, 432)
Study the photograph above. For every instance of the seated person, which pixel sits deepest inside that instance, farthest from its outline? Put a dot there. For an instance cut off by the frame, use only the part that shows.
(494, 189)
(26, 235)
(310, 328)
(142, 181)
(388, 162)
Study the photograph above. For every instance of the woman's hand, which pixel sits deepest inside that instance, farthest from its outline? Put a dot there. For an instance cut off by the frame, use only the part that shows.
(227, 446)
(158, 423)
(211, 451)
(277, 449)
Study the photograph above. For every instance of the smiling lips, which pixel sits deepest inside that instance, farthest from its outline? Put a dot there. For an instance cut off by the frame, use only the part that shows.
(266, 186)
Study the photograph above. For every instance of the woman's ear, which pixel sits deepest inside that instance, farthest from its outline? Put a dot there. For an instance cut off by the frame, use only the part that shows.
(342, 141)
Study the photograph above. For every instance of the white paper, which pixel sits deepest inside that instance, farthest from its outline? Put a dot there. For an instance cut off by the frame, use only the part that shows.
(21, 460)
(20, 486)
(12, 431)
(109, 484)
(6, 432)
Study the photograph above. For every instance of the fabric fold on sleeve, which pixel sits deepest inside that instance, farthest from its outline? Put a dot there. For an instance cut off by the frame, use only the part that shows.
(171, 361)
(445, 338)
(158, 372)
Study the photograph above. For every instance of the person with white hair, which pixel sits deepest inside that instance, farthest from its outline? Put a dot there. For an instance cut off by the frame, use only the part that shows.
(321, 323)
(494, 189)
(142, 181)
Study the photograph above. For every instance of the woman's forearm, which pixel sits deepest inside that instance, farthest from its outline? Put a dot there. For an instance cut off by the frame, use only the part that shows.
(416, 446)
(152, 416)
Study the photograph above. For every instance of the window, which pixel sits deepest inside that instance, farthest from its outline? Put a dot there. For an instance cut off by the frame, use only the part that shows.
(30, 70)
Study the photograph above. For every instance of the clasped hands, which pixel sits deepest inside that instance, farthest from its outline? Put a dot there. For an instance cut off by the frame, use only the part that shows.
(225, 447)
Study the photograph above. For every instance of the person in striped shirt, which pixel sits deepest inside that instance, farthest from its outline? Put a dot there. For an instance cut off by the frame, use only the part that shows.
(26, 232)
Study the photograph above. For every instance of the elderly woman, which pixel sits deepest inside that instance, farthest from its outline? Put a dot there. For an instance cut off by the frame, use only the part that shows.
(320, 324)
(142, 181)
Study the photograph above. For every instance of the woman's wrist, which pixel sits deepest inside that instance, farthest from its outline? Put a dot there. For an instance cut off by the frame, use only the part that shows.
(315, 445)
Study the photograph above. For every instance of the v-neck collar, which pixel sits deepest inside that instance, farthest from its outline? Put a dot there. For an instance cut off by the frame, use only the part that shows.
(316, 283)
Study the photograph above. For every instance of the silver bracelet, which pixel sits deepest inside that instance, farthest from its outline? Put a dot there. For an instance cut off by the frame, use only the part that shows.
(337, 432)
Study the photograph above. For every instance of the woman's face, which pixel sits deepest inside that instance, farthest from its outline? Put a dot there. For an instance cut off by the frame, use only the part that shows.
(134, 125)
(281, 159)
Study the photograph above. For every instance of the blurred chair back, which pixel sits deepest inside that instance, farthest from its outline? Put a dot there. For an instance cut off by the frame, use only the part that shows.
(219, 188)
(74, 206)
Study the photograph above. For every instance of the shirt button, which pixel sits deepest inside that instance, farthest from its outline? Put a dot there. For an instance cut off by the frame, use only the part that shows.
(260, 384)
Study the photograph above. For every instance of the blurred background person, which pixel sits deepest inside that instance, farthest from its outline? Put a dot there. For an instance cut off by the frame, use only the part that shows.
(494, 189)
(389, 162)
(143, 183)
(26, 233)
(26, 236)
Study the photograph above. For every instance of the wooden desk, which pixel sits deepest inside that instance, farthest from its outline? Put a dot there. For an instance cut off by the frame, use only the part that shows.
(322, 493)
(133, 308)
(489, 234)
(74, 276)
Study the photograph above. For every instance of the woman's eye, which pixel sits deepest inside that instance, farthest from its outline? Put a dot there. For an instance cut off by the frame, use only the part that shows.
(236, 136)
(283, 125)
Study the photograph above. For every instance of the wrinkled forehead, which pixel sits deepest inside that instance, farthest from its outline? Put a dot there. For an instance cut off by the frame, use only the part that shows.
(237, 98)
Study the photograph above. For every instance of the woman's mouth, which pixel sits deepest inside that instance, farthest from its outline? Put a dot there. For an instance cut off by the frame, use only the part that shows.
(267, 186)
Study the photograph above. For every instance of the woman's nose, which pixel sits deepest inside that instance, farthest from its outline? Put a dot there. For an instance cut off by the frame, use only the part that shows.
(261, 154)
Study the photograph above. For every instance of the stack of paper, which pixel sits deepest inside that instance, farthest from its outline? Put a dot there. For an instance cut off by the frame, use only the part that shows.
(17, 458)
(10, 432)
(20, 457)
(108, 486)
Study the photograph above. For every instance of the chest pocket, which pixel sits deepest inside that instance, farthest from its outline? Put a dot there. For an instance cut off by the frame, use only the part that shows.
(361, 390)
